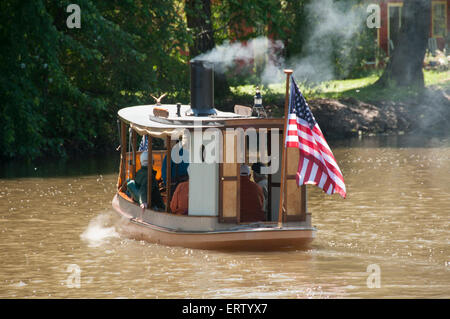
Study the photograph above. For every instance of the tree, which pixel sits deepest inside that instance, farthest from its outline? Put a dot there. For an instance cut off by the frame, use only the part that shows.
(61, 87)
(198, 15)
(199, 22)
(405, 64)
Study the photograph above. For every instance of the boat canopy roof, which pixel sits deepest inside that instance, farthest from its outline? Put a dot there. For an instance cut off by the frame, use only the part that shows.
(143, 120)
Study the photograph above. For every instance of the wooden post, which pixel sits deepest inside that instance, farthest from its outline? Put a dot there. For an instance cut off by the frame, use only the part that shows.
(284, 153)
(133, 147)
(269, 177)
(123, 153)
(303, 203)
(168, 172)
(238, 174)
(150, 171)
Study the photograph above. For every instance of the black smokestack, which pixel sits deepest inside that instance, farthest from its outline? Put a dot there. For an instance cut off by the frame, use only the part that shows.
(202, 88)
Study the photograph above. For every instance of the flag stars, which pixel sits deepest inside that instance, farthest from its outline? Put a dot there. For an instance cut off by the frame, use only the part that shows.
(300, 107)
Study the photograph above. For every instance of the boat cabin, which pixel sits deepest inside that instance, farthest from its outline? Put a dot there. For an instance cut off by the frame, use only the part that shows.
(216, 148)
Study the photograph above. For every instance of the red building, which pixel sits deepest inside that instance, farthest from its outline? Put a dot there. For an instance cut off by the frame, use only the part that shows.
(391, 19)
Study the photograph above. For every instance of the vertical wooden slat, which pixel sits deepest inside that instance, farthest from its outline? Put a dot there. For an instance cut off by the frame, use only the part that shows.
(150, 170)
(303, 203)
(123, 152)
(229, 190)
(246, 140)
(284, 181)
(269, 179)
(238, 179)
(133, 147)
(221, 191)
(168, 172)
(284, 155)
(293, 193)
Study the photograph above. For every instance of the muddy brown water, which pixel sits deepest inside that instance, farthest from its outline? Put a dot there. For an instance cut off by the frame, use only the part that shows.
(388, 239)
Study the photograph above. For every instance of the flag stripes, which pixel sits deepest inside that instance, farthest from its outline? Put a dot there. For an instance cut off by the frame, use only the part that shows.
(317, 164)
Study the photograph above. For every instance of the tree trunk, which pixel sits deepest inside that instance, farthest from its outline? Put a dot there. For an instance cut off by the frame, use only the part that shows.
(198, 15)
(405, 64)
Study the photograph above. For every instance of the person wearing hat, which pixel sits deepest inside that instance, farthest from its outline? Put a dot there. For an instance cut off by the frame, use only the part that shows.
(178, 170)
(138, 186)
(252, 198)
(180, 200)
(261, 180)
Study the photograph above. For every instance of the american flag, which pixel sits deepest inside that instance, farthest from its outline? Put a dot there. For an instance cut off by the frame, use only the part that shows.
(317, 165)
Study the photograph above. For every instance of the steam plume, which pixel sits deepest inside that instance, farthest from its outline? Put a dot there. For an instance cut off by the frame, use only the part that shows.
(330, 23)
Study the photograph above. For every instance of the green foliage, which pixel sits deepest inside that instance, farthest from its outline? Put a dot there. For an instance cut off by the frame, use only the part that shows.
(360, 57)
(60, 88)
(243, 20)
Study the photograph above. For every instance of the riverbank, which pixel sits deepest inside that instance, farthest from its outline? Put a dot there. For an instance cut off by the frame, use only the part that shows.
(427, 113)
(345, 108)
(339, 118)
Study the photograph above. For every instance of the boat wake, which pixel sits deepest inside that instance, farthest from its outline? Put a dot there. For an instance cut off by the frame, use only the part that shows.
(100, 230)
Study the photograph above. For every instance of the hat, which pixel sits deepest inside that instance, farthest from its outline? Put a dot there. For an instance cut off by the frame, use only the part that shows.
(256, 167)
(144, 159)
(245, 170)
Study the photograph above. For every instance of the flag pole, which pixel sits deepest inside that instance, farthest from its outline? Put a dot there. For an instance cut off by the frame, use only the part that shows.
(284, 153)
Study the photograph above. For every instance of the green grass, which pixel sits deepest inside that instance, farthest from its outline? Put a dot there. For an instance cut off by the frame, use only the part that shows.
(361, 89)
(438, 79)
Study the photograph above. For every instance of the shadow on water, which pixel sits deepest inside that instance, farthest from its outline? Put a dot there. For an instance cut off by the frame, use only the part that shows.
(107, 163)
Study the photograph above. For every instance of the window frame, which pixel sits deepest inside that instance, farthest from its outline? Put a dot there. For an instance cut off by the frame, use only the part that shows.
(433, 5)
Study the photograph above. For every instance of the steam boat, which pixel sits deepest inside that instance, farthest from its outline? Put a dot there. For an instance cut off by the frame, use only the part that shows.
(219, 143)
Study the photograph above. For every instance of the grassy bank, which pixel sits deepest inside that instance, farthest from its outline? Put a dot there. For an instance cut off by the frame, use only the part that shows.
(361, 89)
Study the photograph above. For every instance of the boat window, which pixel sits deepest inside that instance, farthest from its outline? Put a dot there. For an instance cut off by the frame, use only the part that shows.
(238, 194)
(132, 147)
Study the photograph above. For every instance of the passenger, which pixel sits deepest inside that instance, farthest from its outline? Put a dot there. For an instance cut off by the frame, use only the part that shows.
(138, 187)
(252, 198)
(180, 201)
(261, 180)
(178, 170)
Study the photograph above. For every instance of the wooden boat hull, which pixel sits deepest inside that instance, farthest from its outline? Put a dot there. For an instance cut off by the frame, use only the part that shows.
(244, 237)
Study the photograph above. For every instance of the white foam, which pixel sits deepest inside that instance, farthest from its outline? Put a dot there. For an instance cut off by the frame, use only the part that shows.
(19, 284)
(99, 230)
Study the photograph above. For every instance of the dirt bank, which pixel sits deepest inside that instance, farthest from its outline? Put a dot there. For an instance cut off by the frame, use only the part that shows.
(429, 114)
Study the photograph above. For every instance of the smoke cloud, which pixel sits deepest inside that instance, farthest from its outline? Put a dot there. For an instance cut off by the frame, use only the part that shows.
(262, 50)
(330, 24)
(332, 34)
